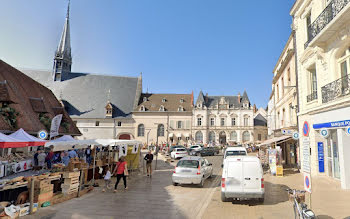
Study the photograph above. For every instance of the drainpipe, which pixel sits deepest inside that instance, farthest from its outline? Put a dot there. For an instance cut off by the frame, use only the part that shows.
(297, 88)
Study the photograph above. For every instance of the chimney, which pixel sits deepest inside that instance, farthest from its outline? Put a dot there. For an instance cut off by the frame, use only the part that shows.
(254, 108)
(192, 99)
(239, 97)
(206, 97)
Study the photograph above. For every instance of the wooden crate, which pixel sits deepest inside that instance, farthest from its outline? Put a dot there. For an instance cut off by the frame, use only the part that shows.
(43, 197)
(39, 183)
(71, 186)
(68, 181)
(45, 189)
(70, 190)
(71, 174)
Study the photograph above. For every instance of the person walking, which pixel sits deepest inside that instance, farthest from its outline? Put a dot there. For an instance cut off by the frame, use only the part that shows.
(149, 159)
(107, 179)
(41, 159)
(49, 158)
(122, 171)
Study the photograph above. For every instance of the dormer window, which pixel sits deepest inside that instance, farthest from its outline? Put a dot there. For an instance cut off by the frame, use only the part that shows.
(142, 109)
(109, 110)
(161, 108)
(180, 109)
(144, 99)
(182, 100)
(199, 105)
(163, 100)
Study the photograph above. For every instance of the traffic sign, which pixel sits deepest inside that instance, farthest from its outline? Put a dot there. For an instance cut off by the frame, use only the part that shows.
(295, 135)
(348, 130)
(307, 182)
(42, 134)
(306, 155)
(324, 133)
(306, 129)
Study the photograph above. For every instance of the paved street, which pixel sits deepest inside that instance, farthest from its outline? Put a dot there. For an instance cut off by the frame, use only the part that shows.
(158, 198)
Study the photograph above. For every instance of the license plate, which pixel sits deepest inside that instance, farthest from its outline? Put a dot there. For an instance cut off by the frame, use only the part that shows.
(186, 171)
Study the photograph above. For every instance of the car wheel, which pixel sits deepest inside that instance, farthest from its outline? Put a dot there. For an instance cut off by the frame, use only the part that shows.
(223, 197)
(175, 184)
(201, 184)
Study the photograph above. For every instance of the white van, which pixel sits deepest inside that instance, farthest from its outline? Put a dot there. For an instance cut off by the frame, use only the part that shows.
(242, 178)
(235, 151)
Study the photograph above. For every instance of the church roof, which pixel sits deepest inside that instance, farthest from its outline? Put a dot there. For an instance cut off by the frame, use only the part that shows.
(86, 95)
(28, 98)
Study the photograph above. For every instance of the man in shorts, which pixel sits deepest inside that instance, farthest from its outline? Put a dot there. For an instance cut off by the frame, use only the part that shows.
(149, 159)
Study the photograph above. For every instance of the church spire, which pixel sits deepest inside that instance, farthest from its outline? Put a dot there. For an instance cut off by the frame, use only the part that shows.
(63, 57)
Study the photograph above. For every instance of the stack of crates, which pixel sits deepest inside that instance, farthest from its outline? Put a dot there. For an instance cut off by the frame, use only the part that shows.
(71, 183)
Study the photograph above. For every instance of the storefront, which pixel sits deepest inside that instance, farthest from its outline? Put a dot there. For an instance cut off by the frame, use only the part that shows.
(334, 131)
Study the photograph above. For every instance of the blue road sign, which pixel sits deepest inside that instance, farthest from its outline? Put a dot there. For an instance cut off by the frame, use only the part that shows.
(306, 129)
(320, 157)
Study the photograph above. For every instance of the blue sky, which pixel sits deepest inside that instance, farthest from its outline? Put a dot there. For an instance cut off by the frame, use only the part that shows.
(221, 47)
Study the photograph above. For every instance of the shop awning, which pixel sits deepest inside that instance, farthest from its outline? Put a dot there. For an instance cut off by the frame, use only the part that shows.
(178, 135)
(187, 135)
(275, 139)
(171, 135)
(64, 138)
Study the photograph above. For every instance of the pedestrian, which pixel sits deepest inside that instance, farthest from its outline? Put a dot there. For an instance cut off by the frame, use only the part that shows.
(122, 171)
(65, 158)
(149, 159)
(41, 159)
(49, 158)
(36, 158)
(72, 153)
(107, 179)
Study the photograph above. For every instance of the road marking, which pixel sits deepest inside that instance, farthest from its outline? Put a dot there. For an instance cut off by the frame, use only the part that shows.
(209, 194)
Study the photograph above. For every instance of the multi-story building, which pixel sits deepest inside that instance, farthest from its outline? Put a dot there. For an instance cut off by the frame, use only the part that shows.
(163, 118)
(100, 105)
(223, 119)
(271, 114)
(322, 34)
(285, 103)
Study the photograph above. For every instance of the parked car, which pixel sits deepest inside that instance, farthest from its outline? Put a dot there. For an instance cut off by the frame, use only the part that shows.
(176, 146)
(235, 151)
(195, 148)
(178, 153)
(192, 170)
(216, 149)
(207, 151)
(242, 178)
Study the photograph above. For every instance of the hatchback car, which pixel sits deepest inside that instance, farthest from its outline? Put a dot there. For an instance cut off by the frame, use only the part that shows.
(176, 146)
(192, 170)
(207, 151)
(178, 153)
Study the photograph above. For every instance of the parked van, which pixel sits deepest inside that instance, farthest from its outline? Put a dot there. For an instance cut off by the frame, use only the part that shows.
(242, 178)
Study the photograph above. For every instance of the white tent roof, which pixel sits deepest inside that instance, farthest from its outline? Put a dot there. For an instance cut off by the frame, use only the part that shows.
(21, 135)
(64, 138)
(6, 138)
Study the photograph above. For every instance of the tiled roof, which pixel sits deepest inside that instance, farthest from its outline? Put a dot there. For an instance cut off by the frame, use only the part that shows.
(21, 87)
(170, 102)
(86, 95)
(212, 101)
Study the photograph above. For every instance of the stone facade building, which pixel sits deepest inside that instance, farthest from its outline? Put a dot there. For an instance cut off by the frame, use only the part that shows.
(162, 118)
(223, 119)
(322, 34)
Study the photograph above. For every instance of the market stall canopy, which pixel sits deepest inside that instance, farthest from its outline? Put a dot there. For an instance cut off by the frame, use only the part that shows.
(275, 139)
(63, 138)
(21, 135)
(178, 135)
(7, 141)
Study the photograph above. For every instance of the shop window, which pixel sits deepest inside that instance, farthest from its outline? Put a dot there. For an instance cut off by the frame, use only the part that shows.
(199, 136)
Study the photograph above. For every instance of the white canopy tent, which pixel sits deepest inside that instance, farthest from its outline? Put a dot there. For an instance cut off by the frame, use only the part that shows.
(21, 135)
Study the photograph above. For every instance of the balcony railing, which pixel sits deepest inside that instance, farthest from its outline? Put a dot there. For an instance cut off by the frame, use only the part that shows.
(327, 15)
(336, 89)
(312, 96)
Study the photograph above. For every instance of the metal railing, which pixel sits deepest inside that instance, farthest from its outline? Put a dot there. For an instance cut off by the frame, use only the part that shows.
(327, 15)
(312, 96)
(336, 89)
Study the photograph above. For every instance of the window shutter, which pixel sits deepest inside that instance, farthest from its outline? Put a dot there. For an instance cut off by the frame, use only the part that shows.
(172, 124)
(187, 124)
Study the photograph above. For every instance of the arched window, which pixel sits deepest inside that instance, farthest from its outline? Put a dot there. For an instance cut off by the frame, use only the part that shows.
(211, 136)
(246, 136)
(233, 136)
(199, 136)
(160, 130)
(141, 130)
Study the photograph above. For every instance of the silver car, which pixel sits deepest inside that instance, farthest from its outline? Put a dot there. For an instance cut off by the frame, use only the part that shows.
(192, 170)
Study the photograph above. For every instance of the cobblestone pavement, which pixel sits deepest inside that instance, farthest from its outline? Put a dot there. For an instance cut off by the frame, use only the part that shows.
(154, 197)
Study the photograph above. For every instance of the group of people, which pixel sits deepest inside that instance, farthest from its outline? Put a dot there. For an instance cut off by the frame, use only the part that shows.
(44, 159)
(121, 171)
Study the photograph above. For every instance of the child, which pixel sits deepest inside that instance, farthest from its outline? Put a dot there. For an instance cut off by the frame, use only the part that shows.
(107, 179)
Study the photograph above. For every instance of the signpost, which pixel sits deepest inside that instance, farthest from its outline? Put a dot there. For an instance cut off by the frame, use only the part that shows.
(295, 135)
(306, 129)
(320, 157)
(324, 133)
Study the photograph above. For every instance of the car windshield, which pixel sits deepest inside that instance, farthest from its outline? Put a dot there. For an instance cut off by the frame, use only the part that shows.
(188, 163)
(235, 153)
(181, 149)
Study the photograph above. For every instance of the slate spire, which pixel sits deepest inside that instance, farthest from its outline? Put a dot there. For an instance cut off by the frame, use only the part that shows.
(63, 57)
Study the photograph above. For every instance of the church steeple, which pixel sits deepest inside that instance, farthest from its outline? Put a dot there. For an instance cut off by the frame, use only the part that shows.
(63, 58)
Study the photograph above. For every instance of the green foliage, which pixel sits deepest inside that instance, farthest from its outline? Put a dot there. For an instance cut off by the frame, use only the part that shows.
(45, 120)
(10, 115)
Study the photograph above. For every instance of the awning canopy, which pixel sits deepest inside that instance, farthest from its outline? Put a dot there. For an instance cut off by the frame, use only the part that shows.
(178, 135)
(171, 135)
(23, 136)
(64, 138)
(275, 139)
(7, 141)
(187, 135)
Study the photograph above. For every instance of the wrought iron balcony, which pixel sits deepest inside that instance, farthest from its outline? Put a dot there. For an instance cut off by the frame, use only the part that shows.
(312, 96)
(327, 15)
(336, 89)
